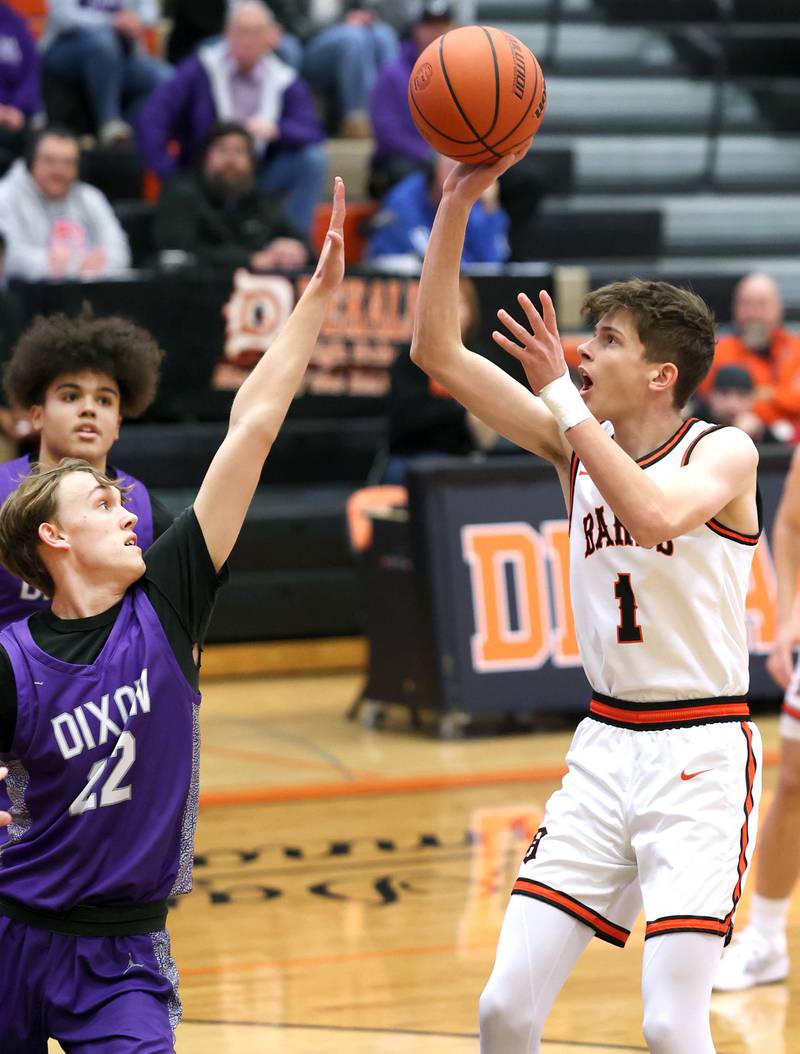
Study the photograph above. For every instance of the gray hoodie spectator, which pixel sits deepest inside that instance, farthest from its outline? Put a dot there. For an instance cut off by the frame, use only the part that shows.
(56, 226)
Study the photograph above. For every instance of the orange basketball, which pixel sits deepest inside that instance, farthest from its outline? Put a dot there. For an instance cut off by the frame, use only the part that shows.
(476, 93)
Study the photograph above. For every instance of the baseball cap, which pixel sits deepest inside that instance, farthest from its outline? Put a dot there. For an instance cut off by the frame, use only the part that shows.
(732, 378)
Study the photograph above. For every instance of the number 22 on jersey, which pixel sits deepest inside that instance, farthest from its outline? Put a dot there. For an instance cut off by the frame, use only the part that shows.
(113, 792)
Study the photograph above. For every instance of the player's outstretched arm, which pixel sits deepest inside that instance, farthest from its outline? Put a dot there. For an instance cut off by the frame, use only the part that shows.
(263, 400)
(786, 553)
(5, 817)
(719, 479)
(479, 385)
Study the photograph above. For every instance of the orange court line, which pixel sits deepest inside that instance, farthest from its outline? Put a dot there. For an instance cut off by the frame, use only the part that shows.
(386, 785)
(324, 960)
(269, 794)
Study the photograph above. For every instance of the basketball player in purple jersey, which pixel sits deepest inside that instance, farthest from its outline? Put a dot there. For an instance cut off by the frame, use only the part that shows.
(103, 749)
(77, 378)
(659, 806)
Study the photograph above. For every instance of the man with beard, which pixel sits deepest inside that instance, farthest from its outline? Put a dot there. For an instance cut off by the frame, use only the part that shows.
(769, 353)
(220, 216)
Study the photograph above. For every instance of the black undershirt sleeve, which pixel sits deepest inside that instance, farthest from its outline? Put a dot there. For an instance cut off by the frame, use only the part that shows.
(8, 702)
(162, 517)
(182, 584)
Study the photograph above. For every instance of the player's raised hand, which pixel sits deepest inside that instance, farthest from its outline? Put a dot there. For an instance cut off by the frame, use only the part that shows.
(469, 182)
(5, 817)
(539, 348)
(330, 266)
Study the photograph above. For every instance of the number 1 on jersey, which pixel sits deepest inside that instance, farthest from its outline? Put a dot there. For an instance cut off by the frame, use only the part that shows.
(628, 631)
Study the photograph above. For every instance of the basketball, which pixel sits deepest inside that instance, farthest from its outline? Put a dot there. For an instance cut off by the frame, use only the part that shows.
(476, 93)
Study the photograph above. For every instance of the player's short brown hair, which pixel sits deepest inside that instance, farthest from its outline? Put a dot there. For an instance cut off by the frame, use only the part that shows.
(32, 503)
(57, 344)
(674, 325)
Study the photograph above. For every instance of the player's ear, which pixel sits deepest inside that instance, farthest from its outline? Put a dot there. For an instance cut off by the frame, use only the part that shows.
(51, 535)
(663, 375)
(36, 416)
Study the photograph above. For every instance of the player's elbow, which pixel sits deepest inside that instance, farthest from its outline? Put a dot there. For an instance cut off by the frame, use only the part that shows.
(652, 528)
(433, 358)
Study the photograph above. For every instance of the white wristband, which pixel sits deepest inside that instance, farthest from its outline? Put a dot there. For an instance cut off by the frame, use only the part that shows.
(564, 402)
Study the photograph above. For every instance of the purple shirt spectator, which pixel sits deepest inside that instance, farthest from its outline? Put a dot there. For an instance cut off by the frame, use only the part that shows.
(199, 94)
(392, 124)
(19, 64)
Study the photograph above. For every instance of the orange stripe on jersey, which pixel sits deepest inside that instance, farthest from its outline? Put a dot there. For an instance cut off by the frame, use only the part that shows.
(672, 442)
(684, 924)
(604, 929)
(690, 448)
(744, 837)
(791, 710)
(728, 532)
(675, 715)
(573, 473)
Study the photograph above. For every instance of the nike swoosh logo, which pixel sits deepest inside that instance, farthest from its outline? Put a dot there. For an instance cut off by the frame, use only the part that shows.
(691, 775)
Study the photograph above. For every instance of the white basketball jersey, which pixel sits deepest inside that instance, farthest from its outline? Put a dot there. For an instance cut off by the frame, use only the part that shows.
(658, 624)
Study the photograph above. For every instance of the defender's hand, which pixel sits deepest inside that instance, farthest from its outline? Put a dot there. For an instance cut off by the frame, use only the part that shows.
(330, 266)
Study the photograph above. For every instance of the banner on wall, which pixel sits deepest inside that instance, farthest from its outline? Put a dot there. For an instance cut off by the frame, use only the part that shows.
(493, 548)
(213, 326)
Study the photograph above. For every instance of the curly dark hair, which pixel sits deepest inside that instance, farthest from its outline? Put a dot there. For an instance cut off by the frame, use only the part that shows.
(673, 324)
(57, 344)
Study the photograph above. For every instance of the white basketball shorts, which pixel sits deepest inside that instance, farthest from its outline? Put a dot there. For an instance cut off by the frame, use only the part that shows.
(666, 818)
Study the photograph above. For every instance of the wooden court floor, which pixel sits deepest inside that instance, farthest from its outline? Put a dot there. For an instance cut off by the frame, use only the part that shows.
(350, 884)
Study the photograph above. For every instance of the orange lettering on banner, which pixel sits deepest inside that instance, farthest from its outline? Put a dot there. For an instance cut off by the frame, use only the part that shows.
(489, 550)
(565, 644)
(761, 601)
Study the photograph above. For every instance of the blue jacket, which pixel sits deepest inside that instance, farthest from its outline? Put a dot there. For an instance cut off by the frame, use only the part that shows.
(403, 225)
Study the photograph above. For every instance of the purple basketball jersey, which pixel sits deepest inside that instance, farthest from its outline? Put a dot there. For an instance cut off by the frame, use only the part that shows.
(103, 772)
(17, 598)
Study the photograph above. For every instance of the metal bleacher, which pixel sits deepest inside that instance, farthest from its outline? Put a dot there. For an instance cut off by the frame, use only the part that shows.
(685, 109)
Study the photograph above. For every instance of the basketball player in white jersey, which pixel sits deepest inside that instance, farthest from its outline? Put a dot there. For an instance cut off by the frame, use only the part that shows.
(758, 955)
(660, 802)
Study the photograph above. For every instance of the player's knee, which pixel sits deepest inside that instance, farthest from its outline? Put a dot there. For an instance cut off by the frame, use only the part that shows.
(662, 1029)
(507, 1021)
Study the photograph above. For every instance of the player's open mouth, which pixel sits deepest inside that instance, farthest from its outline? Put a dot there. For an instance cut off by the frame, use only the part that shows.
(588, 383)
(131, 540)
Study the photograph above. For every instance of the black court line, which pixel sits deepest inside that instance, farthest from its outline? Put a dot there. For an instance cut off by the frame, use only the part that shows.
(577, 1044)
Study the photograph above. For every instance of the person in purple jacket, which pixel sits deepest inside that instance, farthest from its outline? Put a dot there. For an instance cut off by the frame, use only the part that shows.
(399, 148)
(77, 378)
(99, 720)
(20, 87)
(239, 78)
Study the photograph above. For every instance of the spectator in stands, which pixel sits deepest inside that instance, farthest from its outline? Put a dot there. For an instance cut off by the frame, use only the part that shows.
(342, 61)
(240, 79)
(20, 90)
(55, 225)
(99, 44)
(770, 353)
(730, 401)
(399, 148)
(424, 421)
(402, 227)
(220, 216)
